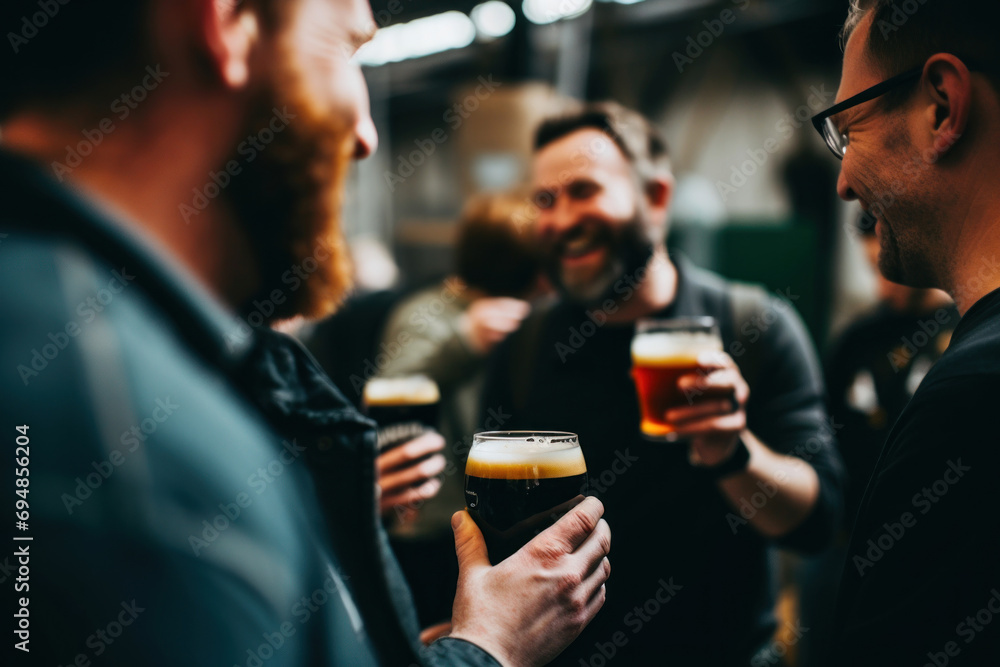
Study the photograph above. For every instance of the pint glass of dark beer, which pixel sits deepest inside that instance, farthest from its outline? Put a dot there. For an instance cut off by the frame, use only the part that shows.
(403, 407)
(663, 351)
(518, 483)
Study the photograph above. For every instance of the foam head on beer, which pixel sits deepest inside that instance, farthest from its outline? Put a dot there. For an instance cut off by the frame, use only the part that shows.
(672, 348)
(528, 457)
(403, 407)
(409, 390)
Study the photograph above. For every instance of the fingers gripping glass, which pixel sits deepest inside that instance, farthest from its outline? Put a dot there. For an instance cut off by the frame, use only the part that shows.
(823, 121)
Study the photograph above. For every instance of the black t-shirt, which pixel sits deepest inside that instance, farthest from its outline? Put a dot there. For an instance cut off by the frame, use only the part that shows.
(691, 579)
(873, 370)
(921, 584)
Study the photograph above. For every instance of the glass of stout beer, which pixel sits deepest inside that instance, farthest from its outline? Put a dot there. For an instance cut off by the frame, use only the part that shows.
(403, 407)
(663, 351)
(518, 483)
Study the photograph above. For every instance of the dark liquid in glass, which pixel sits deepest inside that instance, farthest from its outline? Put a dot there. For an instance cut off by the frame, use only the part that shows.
(510, 512)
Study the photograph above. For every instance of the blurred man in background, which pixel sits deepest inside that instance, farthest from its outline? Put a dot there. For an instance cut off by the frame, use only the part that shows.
(756, 467)
(200, 494)
(917, 127)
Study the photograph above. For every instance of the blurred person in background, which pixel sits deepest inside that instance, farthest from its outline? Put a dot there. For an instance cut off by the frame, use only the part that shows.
(916, 126)
(446, 332)
(694, 537)
(200, 493)
(872, 370)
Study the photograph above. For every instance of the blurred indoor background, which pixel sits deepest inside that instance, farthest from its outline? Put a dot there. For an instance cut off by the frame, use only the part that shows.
(457, 87)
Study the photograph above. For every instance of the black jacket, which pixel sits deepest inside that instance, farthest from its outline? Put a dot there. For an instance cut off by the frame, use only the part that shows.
(199, 494)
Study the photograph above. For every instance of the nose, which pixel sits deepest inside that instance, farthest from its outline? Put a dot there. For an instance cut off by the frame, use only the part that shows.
(558, 217)
(844, 190)
(365, 137)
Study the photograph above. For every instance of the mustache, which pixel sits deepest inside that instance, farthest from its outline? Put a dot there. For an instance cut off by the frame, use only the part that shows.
(598, 232)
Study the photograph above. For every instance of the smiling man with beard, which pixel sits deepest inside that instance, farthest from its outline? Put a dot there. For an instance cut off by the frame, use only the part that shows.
(917, 127)
(695, 521)
(194, 492)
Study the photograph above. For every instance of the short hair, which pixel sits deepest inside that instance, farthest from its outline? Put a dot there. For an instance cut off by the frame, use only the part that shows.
(904, 34)
(61, 52)
(641, 143)
(494, 247)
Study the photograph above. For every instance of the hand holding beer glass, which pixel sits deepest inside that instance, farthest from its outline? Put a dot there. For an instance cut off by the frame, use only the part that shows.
(517, 483)
(533, 559)
(662, 352)
(409, 459)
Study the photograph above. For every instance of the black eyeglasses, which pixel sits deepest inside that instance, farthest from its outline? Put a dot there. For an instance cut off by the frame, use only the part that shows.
(823, 121)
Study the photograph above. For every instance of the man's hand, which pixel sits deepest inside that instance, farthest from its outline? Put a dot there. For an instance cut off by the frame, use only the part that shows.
(489, 320)
(716, 416)
(407, 475)
(528, 608)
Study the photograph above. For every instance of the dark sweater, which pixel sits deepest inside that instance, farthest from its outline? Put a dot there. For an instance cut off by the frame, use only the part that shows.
(674, 536)
(921, 581)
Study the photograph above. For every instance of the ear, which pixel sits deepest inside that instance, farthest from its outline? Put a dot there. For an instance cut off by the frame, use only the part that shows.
(948, 85)
(229, 34)
(658, 192)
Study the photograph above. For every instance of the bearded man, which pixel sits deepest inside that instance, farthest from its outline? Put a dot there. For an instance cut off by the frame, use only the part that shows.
(755, 465)
(193, 490)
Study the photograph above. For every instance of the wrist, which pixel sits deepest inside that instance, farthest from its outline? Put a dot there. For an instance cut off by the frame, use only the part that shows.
(494, 650)
(737, 462)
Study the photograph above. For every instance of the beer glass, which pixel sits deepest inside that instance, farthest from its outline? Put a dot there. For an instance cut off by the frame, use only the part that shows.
(518, 483)
(403, 407)
(663, 351)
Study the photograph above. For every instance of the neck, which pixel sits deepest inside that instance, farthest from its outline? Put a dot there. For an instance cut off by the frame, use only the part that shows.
(656, 291)
(145, 169)
(974, 270)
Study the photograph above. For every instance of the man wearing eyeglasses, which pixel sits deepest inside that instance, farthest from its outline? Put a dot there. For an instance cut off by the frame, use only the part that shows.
(917, 131)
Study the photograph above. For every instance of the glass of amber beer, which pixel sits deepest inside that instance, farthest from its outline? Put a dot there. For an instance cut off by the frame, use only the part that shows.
(663, 351)
(518, 483)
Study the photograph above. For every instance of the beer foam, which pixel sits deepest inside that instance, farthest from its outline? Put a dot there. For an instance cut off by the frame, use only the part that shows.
(410, 390)
(529, 458)
(661, 348)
